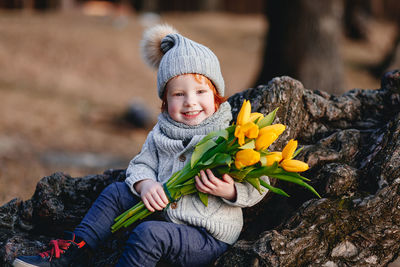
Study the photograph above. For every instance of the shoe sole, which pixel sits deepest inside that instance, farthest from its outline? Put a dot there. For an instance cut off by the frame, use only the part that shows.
(19, 263)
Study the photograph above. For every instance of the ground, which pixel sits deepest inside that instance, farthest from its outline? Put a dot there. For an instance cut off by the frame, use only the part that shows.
(66, 79)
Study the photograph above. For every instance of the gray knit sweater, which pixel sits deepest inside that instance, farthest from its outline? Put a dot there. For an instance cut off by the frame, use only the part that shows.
(167, 149)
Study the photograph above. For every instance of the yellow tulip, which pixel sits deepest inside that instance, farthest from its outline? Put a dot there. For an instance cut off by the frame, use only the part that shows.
(246, 157)
(268, 135)
(244, 113)
(292, 165)
(255, 115)
(289, 149)
(273, 157)
(265, 140)
(239, 134)
(249, 130)
(276, 128)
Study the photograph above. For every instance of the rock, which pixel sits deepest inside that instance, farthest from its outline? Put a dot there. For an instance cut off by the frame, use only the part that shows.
(351, 143)
(82, 160)
(138, 115)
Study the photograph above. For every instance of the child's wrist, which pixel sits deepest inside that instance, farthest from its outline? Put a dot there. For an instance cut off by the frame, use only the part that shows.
(232, 195)
(139, 185)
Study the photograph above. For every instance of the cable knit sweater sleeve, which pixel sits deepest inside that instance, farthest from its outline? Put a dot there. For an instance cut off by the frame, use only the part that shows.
(247, 195)
(144, 165)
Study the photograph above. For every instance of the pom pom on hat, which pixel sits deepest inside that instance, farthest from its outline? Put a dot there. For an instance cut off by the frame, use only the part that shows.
(151, 43)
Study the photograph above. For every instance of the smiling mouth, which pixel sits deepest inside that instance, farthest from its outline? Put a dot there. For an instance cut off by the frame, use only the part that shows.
(191, 113)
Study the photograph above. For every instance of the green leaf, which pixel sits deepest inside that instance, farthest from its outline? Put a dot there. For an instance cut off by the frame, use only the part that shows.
(213, 151)
(200, 150)
(204, 198)
(220, 139)
(185, 190)
(294, 180)
(219, 159)
(297, 152)
(265, 170)
(242, 173)
(267, 120)
(220, 170)
(207, 162)
(221, 133)
(254, 182)
(248, 145)
(273, 189)
(257, 120)
(222, 159)
(190, 181)
(231, 129)
(279, 170)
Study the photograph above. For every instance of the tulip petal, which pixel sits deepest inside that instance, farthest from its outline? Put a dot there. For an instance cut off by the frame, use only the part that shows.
(289, 149)
(239, 134)
(255, 116)
(292, 165)
(246, 157)
(273, 157)
(265, 140)
(276, 128)
(244, 113)
(250, 129)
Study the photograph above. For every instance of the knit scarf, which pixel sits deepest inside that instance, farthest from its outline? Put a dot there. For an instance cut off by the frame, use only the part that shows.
(180, 131)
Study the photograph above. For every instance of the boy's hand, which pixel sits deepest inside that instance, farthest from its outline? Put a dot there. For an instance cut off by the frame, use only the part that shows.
(152, 194)
(209, 184)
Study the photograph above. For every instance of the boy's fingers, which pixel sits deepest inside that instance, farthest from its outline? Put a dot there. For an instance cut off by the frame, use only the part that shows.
(206, 181)
(154, 203)
(227, 178)
(147, 204)
(163, 196)
(211, 177)
(158, 200)
(199, 185)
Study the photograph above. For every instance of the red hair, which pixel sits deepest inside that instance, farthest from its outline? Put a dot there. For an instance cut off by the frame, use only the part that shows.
(218, 99)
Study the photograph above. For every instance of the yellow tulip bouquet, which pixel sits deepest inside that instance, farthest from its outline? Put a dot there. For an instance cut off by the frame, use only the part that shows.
(241, 150)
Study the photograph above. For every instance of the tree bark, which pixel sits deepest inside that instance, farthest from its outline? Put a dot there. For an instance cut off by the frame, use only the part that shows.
(302, 42)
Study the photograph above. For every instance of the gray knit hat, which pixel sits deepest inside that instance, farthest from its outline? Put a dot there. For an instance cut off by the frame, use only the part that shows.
(173, 54)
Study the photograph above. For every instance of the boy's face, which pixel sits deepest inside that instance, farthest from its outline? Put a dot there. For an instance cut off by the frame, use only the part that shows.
(189, 101)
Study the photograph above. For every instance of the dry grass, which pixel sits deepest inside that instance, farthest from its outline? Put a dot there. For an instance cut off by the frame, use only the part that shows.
(65, 78)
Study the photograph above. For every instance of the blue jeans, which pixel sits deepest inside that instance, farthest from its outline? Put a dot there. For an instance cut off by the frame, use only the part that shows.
(150, 241)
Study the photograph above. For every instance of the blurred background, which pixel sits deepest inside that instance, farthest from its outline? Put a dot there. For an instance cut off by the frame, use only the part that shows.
(76, 97)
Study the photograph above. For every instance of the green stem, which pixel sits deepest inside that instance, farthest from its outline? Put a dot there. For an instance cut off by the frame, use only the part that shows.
(273, 189)
(130, 211)
(126, 215)
(135, 218)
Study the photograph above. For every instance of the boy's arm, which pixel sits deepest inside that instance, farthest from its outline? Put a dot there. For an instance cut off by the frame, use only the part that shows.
(143, 166)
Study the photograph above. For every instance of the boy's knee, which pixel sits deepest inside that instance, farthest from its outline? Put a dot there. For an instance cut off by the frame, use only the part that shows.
(114, 188)
(146, 228)
(149, 231)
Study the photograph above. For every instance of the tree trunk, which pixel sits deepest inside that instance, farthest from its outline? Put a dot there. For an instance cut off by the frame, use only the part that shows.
(391, 61)
(67, 5)
(302, 43)
(356, 16)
